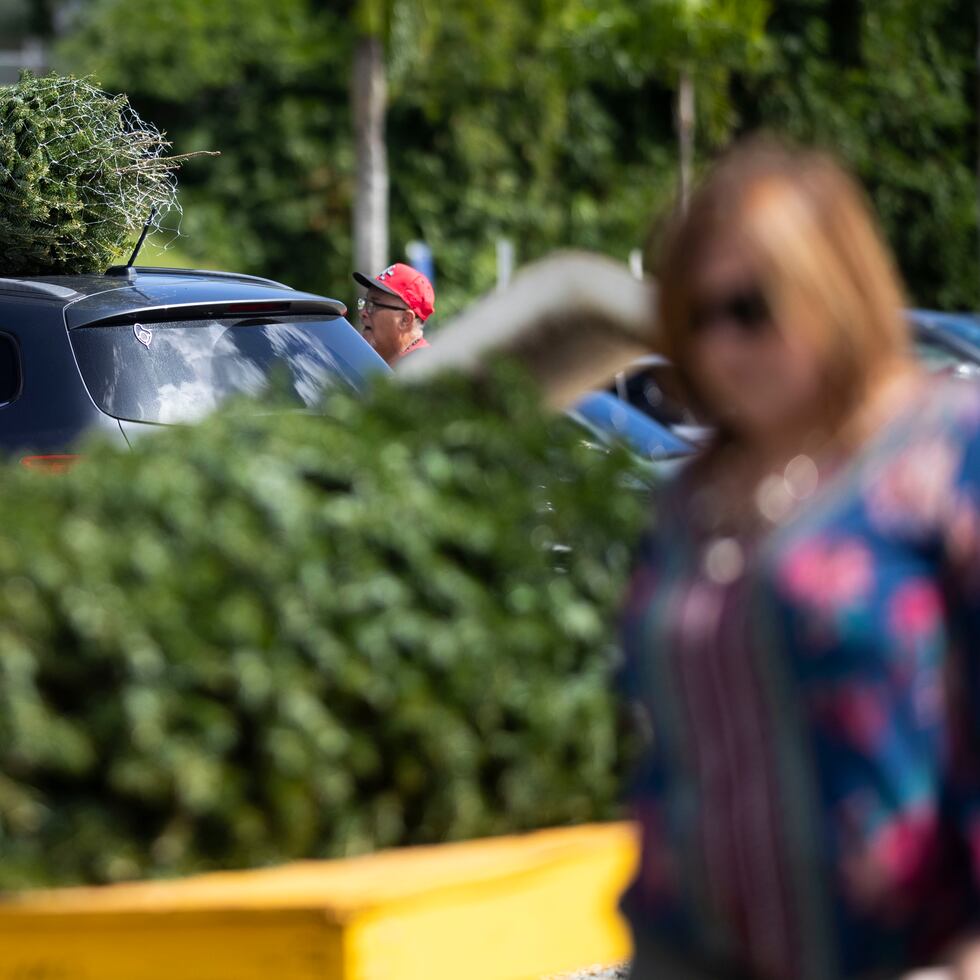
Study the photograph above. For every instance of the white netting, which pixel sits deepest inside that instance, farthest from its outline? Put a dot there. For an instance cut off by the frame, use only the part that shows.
(80, 174)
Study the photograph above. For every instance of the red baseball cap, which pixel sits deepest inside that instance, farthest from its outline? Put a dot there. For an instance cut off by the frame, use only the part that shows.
(408, 284)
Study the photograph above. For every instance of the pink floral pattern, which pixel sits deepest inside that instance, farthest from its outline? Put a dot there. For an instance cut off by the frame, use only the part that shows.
(828, 575)
(894, 867)
(915, 610)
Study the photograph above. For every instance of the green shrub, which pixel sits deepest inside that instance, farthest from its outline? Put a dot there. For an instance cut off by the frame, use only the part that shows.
(278, 636)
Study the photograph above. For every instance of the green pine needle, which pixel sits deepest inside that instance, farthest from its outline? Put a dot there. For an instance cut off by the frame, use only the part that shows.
(80, 172)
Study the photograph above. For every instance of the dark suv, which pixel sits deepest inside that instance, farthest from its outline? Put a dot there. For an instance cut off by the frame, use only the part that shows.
(139, 347)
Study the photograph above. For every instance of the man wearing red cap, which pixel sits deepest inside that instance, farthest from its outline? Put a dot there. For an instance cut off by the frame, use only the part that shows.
(398, 302)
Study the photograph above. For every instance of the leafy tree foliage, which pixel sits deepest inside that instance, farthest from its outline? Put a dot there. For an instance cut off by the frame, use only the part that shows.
(703, 40)
(887, 84)
(487, 133)
(267, 86)
(549, 122)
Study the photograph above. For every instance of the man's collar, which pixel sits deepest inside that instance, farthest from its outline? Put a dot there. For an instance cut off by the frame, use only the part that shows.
(416, 344)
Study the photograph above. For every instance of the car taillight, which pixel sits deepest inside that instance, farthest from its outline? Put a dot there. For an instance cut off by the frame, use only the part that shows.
(269, 308)
(51, 463)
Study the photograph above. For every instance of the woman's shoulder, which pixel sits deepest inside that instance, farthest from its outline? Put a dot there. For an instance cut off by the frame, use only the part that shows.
(945, 411)
(945, 419)
(910, 479)
(955, 403)
(957, 427)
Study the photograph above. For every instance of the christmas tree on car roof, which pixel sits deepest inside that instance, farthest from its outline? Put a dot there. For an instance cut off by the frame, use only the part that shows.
(80, 175)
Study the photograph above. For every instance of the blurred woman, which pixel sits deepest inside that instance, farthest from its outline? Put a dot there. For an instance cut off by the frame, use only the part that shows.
(804, 619)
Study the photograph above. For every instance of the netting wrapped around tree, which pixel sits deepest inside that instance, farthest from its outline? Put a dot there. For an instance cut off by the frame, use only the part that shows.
(80, 173)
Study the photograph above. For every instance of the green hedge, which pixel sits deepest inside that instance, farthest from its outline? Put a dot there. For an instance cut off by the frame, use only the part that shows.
(278, 636)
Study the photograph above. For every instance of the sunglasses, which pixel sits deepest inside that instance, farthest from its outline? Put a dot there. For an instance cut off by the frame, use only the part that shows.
(749, 311)
(369, 304)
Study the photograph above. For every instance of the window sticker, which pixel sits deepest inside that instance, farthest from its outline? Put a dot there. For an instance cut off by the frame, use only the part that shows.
(143, 335)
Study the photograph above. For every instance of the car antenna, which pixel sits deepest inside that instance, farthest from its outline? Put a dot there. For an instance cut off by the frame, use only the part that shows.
(142, 238)
(128, 270)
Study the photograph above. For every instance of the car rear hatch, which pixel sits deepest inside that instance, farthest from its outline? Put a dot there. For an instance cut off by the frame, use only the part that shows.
(173, 354)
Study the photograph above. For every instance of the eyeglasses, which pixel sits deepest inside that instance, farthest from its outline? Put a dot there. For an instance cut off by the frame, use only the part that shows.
(363, 303)
(748, 310)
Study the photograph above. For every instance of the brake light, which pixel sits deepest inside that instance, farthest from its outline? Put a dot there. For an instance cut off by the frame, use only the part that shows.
(255, 308)
(50, 463)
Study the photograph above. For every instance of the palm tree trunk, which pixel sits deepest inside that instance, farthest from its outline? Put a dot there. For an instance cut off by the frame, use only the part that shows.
(369, 96)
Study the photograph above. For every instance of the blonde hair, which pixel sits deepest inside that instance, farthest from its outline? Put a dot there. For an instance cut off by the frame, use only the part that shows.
(817, 248)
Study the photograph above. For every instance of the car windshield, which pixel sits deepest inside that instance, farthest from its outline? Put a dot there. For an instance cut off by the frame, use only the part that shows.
(652, 386)
(616, 420)
(179, 372)
(937, 357)
(966, 328)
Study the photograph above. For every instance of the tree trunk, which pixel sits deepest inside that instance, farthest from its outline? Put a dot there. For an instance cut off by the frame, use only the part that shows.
(685, 134)
(369, 97)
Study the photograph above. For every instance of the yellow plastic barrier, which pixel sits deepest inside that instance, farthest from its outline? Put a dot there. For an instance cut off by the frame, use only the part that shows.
(509, 908)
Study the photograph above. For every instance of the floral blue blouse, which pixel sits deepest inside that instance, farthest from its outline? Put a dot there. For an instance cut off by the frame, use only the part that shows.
(810, 803)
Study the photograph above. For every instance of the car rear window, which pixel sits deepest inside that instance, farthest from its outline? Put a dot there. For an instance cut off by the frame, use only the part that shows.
(180, 371)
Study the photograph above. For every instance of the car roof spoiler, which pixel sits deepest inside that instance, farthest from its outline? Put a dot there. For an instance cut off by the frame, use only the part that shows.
(209, 310)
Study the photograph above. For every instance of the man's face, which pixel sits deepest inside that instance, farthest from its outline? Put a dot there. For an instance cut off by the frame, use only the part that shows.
(385, 323)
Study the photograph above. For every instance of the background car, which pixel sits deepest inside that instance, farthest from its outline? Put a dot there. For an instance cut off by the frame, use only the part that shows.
(650, 384)
(140, 347)
(610, 420)
(948, 342)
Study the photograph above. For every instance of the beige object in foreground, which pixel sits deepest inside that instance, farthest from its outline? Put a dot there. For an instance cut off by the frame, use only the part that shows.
(509, 908)
(573, 319)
